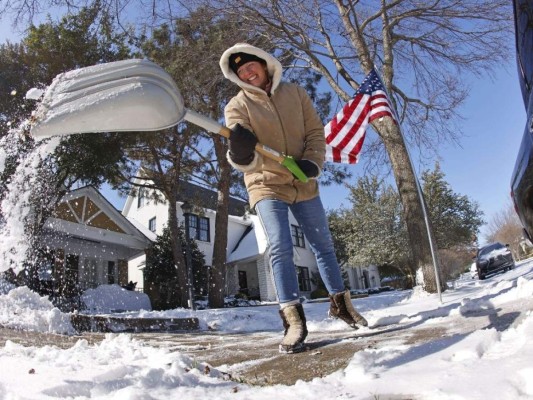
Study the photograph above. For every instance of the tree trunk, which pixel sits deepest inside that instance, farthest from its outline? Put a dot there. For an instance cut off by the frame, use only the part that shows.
(406, 182)
(217, 277)
(179, 259)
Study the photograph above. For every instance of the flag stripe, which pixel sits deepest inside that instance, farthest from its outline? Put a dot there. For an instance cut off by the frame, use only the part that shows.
(350, 127)
(350, 114)
(345, 133)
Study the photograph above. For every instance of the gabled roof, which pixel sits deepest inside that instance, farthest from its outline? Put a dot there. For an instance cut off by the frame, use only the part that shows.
(81, 207)
(143, 229)
(85, 213)
(202, 197)
(208, 198)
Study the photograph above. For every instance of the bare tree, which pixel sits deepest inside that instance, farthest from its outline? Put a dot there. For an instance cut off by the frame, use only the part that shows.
(165, 161)
(422, 49)
(505, 227)
(189, 50)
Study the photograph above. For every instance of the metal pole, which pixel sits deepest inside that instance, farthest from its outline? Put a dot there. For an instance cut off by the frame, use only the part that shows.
(189, 262)
(426, 219)
(430, 238)
(424, 211)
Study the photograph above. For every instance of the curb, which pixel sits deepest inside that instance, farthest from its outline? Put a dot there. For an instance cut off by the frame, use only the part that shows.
(100, 323)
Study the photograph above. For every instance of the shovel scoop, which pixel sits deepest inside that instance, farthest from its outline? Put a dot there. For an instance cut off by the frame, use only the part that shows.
(124, 96)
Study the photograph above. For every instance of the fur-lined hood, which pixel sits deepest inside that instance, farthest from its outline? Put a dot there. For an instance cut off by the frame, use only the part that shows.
(274, 67)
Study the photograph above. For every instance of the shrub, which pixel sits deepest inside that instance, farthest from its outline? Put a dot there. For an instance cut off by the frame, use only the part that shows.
(319, 293)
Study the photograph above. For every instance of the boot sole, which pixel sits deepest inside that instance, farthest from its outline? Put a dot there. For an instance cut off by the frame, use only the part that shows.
(354, 324)
(294, 349)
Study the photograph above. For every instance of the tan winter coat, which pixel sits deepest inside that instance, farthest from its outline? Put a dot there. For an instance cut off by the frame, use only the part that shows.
(285, 121)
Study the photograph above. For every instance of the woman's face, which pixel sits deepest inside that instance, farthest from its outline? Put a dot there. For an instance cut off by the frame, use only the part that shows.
(254, 73)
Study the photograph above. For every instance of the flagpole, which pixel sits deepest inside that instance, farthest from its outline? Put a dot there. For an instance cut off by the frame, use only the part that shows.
(424, 209)
(426, 220)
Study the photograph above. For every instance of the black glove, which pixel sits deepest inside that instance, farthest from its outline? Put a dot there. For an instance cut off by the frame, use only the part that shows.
(241, 145)
(309, 168)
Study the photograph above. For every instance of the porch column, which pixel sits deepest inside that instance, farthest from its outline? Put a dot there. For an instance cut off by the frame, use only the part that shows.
(122, 272)
(58, 272)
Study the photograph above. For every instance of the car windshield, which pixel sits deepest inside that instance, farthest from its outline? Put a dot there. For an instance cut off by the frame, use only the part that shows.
(489, 249)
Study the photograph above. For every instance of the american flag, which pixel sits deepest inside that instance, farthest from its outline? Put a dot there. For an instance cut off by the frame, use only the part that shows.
(345, 133)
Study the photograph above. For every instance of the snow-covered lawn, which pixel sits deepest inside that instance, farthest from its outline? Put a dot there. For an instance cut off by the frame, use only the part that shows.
(487, 364)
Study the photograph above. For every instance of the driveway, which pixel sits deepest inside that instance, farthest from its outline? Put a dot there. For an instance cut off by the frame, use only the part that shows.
(253, 358)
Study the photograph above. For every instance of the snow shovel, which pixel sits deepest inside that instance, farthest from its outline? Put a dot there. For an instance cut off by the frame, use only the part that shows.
(121, 96)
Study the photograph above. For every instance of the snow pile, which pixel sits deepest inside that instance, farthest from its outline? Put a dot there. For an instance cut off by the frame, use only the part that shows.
(24, 309)
(524, 290)
(243, 319)
(119, 366)
(114, 298)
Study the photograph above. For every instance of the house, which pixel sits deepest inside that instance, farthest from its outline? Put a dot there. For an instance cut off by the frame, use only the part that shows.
(87, 242)
(248, 268)
(363, 277)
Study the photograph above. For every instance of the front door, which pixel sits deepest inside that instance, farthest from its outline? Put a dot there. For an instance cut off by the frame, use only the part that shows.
(365, 280)
(70, 283)
(243, 283)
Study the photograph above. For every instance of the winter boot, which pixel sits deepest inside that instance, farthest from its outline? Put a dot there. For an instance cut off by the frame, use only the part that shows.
(295, 329)
(341, 307)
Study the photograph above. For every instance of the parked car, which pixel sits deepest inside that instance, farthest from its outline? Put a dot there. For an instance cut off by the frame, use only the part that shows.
(355, 293)
(493, 258)
(522, 177)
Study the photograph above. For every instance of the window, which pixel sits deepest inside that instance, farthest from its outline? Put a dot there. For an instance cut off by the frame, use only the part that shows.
(297, 236)
(198, 227)
(304, 283)
(110, 272)
(141, 198)
(152, 224)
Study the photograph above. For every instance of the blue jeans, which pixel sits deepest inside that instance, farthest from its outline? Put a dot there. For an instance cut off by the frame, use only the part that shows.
(310, 214)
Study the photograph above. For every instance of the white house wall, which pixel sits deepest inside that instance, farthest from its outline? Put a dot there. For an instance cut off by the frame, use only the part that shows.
(150, 209)
(355, 275)
(96, 255)
(97, 235)
(236, 228)
(135, 271)
(159, 211)
(94, 246)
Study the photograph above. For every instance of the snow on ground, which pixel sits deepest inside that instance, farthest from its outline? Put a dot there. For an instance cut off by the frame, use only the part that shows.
(114, 298)
(487, 364)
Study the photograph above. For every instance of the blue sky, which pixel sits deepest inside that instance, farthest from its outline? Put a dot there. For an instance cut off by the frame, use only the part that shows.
(480, 167)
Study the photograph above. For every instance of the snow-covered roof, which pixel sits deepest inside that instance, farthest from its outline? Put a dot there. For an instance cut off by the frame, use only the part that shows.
(141, 228)
(252, 244)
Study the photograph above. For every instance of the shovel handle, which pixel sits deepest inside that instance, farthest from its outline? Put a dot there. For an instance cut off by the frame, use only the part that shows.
(287, 161)
(213, 126)
(272, 154)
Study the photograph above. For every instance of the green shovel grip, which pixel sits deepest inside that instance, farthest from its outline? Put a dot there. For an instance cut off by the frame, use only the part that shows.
(289, 163)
